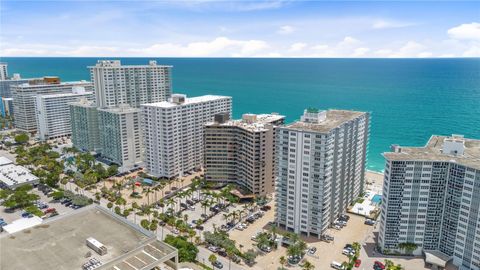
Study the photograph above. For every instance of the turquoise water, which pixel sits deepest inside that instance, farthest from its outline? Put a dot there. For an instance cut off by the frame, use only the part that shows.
(376, 199)
(409, 99)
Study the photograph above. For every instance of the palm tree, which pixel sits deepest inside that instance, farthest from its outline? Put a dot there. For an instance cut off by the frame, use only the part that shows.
(263, 240)
(212, 258)
(307, 266)
(273, 229)
(356, 246)
(283, 261)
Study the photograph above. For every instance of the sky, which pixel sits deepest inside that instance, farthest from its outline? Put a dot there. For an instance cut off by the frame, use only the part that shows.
(211, 28)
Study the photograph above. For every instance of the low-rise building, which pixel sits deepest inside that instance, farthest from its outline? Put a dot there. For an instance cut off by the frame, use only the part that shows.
(13, 176)
(53, 113)
(242, 151)
(62, 243)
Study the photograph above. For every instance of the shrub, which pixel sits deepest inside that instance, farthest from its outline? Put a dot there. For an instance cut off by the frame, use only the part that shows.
(187, 252)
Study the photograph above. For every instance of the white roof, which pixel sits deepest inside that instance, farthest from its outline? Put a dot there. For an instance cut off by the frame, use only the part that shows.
(5, 161)
(13, 175)
(436, 257)
(22, 224)
(188, 101)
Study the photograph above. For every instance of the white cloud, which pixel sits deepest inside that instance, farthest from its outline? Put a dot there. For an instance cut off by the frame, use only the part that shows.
(424, 54)
(360, 52)
(473, 51)
(219, 46)
(466, 31)
(320, 47)
(387, 24)
(410, 49)
(296, 47)
(286, 29)
(349, 41)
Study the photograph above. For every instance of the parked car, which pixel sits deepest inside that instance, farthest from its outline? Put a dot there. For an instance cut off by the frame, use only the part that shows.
(49, 210)
(265, 249)
(213, 248)
(218, 264)
(369, 222)
(378, 265)
(337, 265)
(312, 250)
(358, 262)
(222, 253)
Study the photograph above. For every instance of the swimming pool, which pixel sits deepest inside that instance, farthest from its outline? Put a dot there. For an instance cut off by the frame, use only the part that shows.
(376, 199)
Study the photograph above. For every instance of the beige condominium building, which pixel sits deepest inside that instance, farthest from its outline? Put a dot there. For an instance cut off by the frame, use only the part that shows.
(173, 132)
(242, 151)
(321, 168)
(431, 201)
(24, 98)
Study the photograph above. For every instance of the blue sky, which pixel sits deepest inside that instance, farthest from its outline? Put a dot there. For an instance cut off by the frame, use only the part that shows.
(210, 28)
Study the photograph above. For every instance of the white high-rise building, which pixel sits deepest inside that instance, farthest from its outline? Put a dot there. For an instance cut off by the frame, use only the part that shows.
(3, 71)
(173, 132)
(53, 113)
(24, 98)
(117, 84)
(242, 151)
(119, 134)
(321, 168)
(431, 201)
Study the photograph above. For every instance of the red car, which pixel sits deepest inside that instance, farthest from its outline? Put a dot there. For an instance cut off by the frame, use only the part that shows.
(358, 262)
(50, 210)
(379, 265)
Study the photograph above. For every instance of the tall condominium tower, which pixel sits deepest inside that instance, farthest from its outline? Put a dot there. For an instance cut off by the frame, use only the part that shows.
(431, 198)
(119, 133)
(242, 151)
(53, 113)
(173, 132)
(6, 85)
(84, 121)
(117, 84)
(3, 71)
(321, 168)
(24, 98)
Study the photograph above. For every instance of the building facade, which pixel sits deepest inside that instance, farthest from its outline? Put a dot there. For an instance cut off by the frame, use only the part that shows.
(3, 71)
(173, 132)
(321, 167)
(24, 98)
(117, 84)
(242, 151)
(53, 113)
(6, 107)
(431, 198)
(6, 85)
(119, 133)
(84, 124)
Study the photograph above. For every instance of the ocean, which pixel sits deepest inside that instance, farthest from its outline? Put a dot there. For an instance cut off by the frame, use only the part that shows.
(409, 99)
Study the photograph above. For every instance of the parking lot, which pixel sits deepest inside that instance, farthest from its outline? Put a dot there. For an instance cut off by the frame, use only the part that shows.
(60, 208)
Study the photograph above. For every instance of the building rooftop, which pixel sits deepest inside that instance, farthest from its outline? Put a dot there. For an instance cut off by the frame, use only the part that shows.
(251, 122)
(333, 119)
(66, 95)
(185, 101)
(118, 64)
(39, 85)
(13, 175)
(83, 102)
(125, 108)
(60, 243)
(435, 150)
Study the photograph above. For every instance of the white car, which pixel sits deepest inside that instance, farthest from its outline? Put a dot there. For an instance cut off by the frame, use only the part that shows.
(175, 231)
(348, 252)
(240, 227)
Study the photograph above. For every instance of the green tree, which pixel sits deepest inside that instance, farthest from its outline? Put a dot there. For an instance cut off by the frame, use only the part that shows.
(307, 265)
(250, 256)
(21, 138)
(112, 170)
(212, 258)
(283, 261)
(187, 252)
